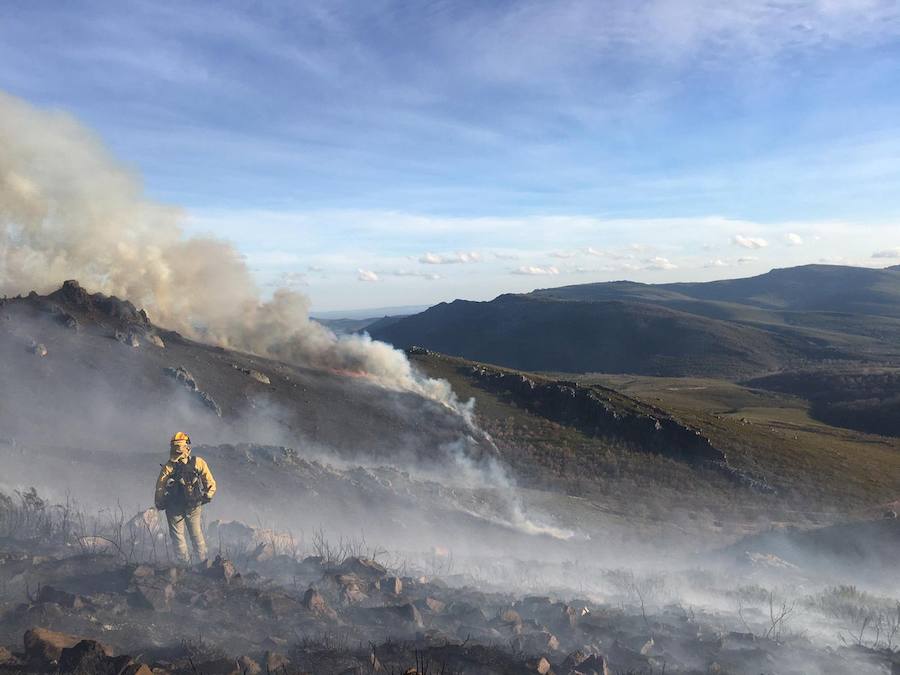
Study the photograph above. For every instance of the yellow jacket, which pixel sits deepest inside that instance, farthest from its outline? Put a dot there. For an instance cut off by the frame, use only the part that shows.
(206, 477)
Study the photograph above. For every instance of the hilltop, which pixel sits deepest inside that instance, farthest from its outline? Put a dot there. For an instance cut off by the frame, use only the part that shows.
(787, 318)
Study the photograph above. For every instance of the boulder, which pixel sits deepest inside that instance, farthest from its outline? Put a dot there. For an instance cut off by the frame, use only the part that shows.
(248, 666)
(153, 593)
(45, 646)
(540, 665)
(220, 570)
(89, 657)
(61, 598)
(137, 669)
(156, 341)
(275, 661)
(391, 585)
(128, 338)
(315, 603)
(364, 568)
(6, 656)
(593, 665)
(279, 605)
(434, 605)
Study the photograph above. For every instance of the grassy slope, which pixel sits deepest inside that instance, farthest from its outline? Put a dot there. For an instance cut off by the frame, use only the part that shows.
(822, 473)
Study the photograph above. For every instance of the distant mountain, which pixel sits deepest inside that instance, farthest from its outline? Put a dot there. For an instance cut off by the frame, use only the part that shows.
(786, 318)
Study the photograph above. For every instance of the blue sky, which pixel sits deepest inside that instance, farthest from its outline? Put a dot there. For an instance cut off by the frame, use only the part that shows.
(386, 153)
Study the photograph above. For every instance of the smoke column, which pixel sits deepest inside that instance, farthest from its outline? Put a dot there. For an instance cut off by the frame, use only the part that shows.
(68, 209)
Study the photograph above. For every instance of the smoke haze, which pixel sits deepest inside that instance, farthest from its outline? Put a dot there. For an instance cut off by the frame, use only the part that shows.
(68, 209)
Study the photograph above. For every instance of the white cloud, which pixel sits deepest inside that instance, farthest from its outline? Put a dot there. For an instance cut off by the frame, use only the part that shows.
(451, 259)
(315, 268)
(366, 275)
(505, 256)
(534, 270)
(412, 273)
(590, 250)
(749, 242)
(562, 254)
(887, 253)
(659, 263)
(747, 259)
(718, 262)
(794, 239)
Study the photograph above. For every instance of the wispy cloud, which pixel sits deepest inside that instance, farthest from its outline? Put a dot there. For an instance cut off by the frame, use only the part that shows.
(451, 259)
(563, 254)
(747, 259)
(793, 239)
(749, 242)
(366, 275)
(534, 270)
(887, 253)
(660, 263)
(505, 256)
(412, 273)
(718, 262)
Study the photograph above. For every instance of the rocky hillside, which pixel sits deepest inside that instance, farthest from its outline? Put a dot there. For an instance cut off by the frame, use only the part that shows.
(92, 371)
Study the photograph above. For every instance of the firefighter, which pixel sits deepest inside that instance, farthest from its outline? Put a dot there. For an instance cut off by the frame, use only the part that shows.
(185, 483)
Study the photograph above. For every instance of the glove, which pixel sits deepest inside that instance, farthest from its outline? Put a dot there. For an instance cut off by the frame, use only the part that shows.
(205, 499)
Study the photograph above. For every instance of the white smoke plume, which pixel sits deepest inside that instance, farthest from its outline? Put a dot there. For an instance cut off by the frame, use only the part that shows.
(70, 210)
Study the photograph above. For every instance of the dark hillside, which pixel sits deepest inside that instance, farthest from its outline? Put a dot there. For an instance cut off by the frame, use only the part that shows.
(536, 334)
(785, 319)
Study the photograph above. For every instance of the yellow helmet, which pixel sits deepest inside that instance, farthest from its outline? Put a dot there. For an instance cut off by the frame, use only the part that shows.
(180, 438)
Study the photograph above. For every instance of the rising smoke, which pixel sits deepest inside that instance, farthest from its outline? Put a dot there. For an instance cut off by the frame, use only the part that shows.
(69, 210)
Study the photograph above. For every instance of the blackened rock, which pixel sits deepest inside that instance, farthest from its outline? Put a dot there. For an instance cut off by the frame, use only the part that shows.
(279, 605)
(315, 603)
(45, 646)
(89, 657)
(221, 570)
(61, 598)
(363, 568)
(153, 594)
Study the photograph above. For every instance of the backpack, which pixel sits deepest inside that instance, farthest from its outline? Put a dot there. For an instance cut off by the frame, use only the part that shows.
(184, 489)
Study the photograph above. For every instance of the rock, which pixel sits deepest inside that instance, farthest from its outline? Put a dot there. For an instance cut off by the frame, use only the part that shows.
(391, 585)
(45, 646)
(137, 669)
(142, 572)
(89, 657)
(61, 598)
(315, 603)
(128, 338)
(38, 349)
(279, 605)
(183, 377)
(6, 656)
(536, 643)
(574, 659)
(541, 666)
(435, 605)
(275, 661)
(364, 568)
(248, 666)
(509, 616)
(153, 593)
(259, 377)
(593, 665)
(156, 341)
(220, 570)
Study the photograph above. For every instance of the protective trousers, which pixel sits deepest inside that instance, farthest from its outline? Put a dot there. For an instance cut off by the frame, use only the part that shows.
(192, 517)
